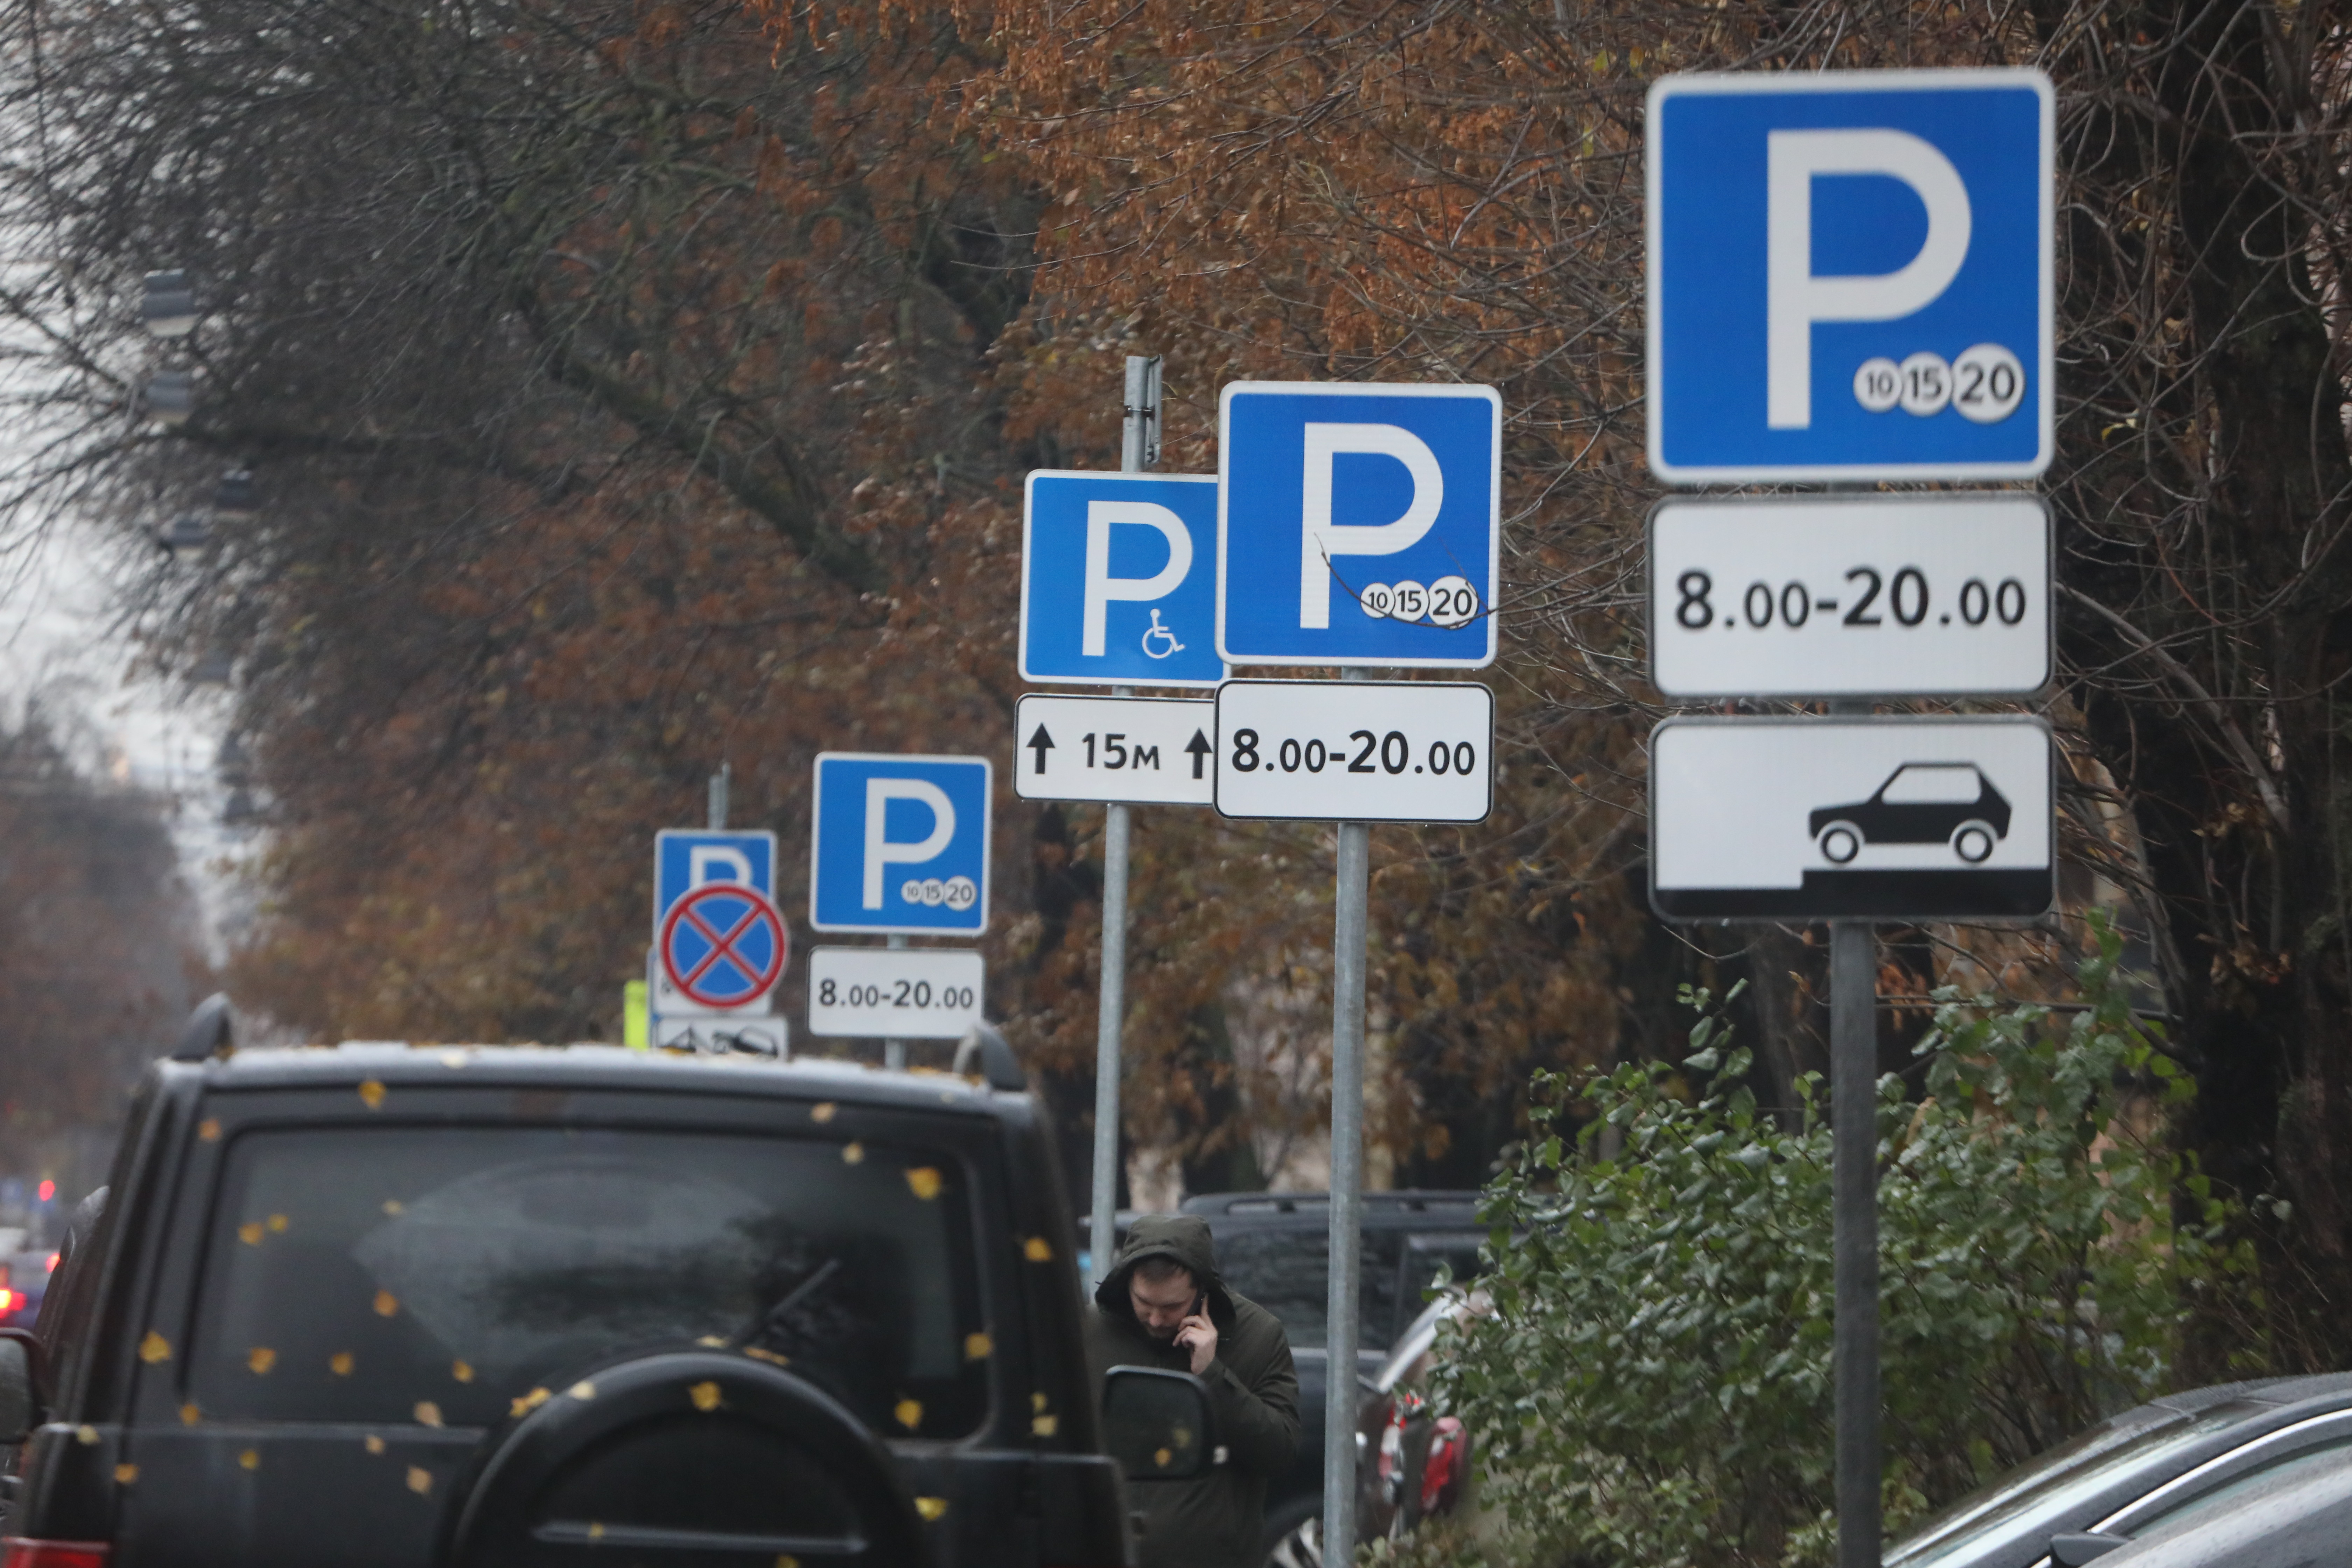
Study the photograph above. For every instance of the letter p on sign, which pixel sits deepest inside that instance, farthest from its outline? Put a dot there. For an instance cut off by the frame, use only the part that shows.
(1797, 298)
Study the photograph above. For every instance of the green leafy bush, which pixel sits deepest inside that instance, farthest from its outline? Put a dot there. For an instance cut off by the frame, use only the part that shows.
(1653, 1386)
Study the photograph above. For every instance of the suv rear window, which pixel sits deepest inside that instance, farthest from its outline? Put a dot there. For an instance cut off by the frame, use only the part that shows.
(1288, 1271)
(399, 1274)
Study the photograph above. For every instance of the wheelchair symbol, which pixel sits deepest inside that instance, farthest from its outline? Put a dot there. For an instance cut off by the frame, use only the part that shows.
(1157, 633)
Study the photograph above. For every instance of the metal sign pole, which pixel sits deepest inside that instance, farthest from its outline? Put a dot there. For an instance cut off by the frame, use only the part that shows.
(1853, 1370)
(719, 782)
(1350, 924)
(894, 1052)
(1139, 449)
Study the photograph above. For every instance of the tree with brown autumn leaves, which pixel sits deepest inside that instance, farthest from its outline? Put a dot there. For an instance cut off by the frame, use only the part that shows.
(634, 387)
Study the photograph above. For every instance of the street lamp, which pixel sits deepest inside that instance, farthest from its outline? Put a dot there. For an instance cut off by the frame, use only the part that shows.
(171, 398)
(188, 531)
(236, 500)
(233, 762)
(168, 307)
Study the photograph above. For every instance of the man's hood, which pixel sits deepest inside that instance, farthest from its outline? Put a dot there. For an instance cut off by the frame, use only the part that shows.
(1182, 1237)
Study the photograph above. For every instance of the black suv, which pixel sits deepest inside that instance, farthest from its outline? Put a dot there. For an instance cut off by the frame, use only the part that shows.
(517, 1306)
(1276, 1250)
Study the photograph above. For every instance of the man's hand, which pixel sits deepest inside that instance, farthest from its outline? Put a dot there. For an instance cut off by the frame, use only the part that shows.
(1199, 1335)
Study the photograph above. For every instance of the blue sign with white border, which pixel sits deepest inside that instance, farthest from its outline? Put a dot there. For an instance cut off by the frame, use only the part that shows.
(899, 844)
(715, 950)
(688, 858)
(1119, 579)
(1851, 275)
(1359, 524)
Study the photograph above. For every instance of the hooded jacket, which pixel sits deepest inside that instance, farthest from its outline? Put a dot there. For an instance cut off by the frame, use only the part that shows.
(1214, 1520)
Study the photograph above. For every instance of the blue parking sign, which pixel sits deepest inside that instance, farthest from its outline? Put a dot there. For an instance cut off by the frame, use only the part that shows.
(1850, 276)
(899, 844)
(1359, 524)
(1119, 579)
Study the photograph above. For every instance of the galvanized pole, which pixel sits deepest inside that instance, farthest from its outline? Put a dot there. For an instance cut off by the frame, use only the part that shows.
(1139, 449)
(719, 795)
(1350, 933)
(1854, 1356)
(894, 1052)
(1854, 1209)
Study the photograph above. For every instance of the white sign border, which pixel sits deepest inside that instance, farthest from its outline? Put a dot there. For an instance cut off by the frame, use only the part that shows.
(1028, 505)
(987, 846)
(1902, 497)
(1488, 590)
(1748, 83)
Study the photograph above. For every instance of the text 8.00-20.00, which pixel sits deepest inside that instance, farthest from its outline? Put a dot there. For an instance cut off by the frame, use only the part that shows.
(1354, 750)
(895, 992)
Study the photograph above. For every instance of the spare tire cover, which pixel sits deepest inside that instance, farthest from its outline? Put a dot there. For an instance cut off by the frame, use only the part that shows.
(708, 1456)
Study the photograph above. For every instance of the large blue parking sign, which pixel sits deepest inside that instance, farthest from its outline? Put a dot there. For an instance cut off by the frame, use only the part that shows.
(1359, 524)
(1850, 274)
(1119, 579)
(899, 844)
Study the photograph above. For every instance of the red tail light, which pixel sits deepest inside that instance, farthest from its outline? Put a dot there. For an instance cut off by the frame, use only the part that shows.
(1440, 1471)
(15, 1552)
(8, 1300)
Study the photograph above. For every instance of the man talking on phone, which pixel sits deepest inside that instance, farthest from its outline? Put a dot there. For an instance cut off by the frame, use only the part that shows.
(1162, 1305)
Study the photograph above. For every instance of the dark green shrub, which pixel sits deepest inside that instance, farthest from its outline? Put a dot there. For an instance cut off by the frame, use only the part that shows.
(1653, 1387)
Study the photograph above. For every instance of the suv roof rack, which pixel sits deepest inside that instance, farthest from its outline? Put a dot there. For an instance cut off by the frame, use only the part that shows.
(1412, 1200)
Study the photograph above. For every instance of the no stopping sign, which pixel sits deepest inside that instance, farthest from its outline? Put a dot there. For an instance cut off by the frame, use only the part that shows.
(724, 945)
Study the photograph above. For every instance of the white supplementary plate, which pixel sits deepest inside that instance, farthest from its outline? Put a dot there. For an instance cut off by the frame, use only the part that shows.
(1369, 751)
(721, 1035)
(1931, 595)
(895, 992)
(1138, 751)
(1866, 819)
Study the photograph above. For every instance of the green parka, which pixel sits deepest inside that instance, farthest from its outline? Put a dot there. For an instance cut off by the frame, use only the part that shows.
(1214, 1520)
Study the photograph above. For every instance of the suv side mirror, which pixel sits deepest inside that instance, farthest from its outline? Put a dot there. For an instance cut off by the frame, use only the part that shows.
(23, 1384)
(2072, 1551)
(1156, 1424)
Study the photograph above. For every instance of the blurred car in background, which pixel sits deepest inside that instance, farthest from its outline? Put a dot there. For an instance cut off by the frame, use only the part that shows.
(1276, 1250)
(1416, 1462)
(23, 1281)
(2294, 1515)
(1412, 1463)
(2143, 1471)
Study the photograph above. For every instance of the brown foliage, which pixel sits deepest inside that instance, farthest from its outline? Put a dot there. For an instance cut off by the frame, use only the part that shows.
(640, 386)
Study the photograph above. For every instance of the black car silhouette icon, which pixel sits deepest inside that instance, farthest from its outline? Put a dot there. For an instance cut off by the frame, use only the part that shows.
(1920, 803)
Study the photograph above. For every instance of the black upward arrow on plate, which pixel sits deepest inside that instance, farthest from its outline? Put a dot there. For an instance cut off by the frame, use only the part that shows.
(1041, 742)
(1199, 751)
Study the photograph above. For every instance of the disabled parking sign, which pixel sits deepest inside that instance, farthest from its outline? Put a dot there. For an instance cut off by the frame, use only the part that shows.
(1850, 274)
(1359, 524)
(1119, 579)
(899, 844)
